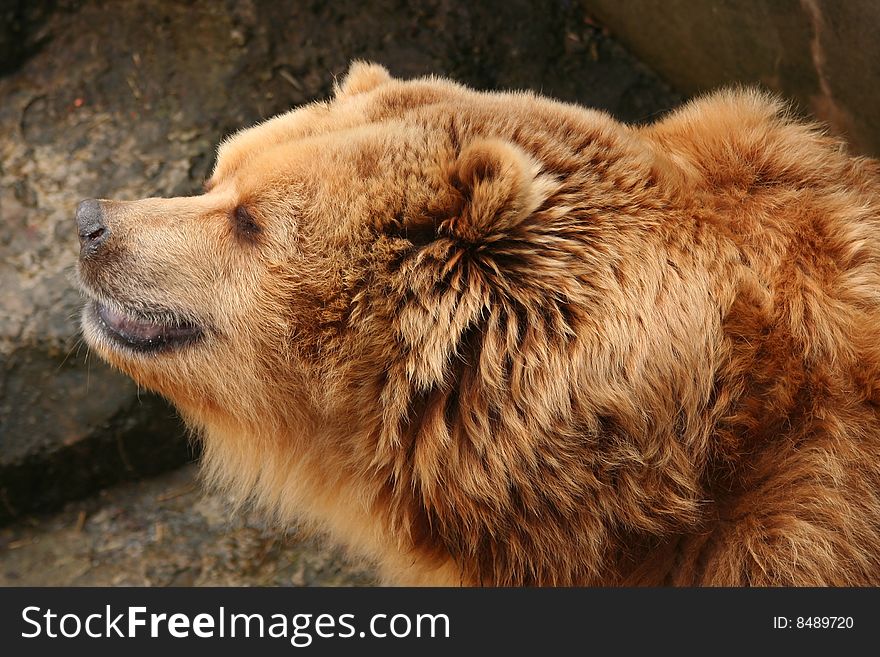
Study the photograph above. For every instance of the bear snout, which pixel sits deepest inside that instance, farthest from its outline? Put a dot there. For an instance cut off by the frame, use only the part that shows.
(91, 227)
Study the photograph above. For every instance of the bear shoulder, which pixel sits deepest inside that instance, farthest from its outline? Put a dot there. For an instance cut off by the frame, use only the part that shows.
(746, 138)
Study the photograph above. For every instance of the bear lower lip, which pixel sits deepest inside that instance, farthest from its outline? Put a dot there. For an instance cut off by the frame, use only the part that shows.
(142, 333)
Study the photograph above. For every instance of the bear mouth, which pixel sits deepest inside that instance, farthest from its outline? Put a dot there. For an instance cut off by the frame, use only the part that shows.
(144, 332)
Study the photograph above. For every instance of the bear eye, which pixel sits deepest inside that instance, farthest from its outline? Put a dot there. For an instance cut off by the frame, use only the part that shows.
(244, 224)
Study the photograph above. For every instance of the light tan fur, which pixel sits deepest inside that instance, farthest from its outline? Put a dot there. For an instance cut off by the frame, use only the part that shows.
(489, 338)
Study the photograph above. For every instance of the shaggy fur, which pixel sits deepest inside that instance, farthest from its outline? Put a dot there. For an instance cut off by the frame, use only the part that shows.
(493, 339)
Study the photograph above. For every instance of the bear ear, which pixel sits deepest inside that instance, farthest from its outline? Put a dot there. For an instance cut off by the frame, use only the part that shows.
(492, 187)
(361, 77)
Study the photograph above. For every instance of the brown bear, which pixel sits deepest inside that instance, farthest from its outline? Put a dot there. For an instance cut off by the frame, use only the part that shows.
(494, 339)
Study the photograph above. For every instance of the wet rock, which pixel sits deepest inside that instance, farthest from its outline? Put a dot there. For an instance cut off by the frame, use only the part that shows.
(127, 98)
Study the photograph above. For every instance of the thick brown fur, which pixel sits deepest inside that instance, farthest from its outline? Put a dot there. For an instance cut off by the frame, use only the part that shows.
(493, 339)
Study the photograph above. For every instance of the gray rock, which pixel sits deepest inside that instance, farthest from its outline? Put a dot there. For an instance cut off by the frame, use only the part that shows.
(20, 30)
(126, 99)
(822, 54)
(166, 532)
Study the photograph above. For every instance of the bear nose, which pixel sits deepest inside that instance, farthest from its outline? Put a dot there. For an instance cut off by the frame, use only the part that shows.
(92, 229)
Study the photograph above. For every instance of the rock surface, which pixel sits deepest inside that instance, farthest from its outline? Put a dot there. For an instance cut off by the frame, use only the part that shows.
(822, 54)
(127, 98)
(165, 532)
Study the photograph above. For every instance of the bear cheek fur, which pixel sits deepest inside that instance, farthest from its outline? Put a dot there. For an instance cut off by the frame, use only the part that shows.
(475, 442)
